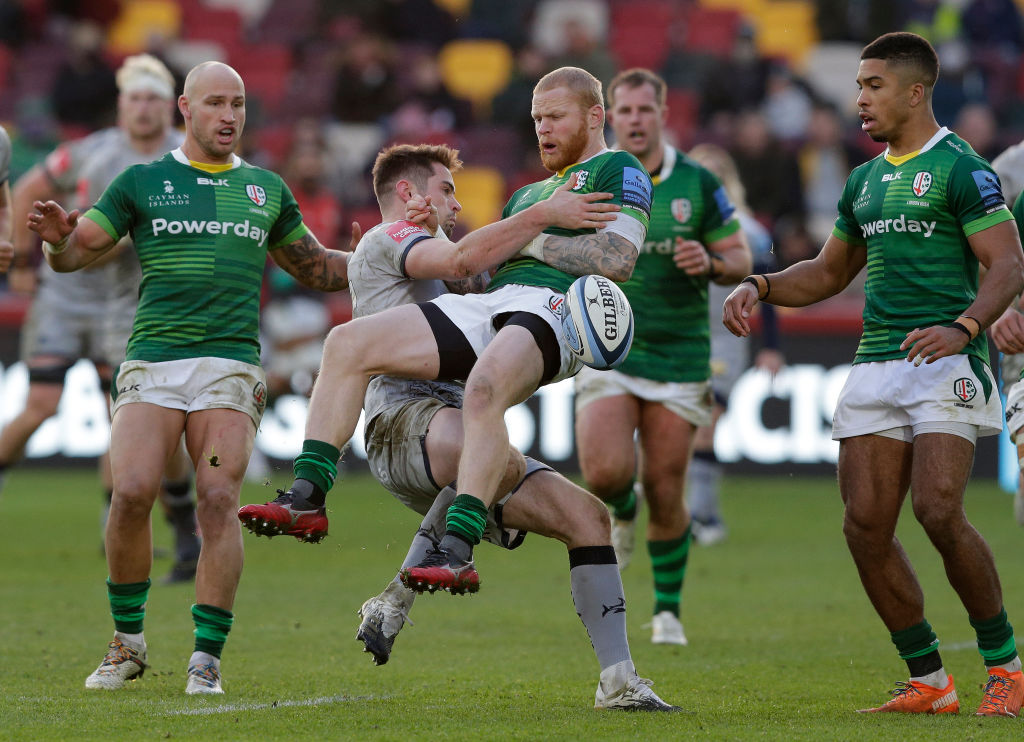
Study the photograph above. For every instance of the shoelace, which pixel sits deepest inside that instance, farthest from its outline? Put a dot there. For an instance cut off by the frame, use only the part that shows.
(207, 673)
(903, 688)
(435, 558)
(117, 654)
(283, 498)
(997, 689)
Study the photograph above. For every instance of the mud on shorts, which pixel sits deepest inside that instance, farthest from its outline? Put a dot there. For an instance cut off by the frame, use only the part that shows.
(690, 400)
(897, 399)
(396, 450)
(464, 325)
(193, 384)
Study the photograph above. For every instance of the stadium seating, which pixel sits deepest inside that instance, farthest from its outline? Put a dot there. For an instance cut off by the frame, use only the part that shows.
(140, 21)
(712, 30)
(481, 191)
(475, 69)
(786, 29)
(640, 33)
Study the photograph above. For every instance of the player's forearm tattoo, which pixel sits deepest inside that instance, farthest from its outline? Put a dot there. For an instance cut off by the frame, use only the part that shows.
(605, 253)
(472, 285)
(315, 266)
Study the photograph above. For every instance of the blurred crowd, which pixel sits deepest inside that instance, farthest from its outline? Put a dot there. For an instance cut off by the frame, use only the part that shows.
(330, 82)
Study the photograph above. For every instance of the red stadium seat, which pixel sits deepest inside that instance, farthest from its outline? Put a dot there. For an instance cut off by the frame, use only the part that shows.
(712, 30)
(640, 32)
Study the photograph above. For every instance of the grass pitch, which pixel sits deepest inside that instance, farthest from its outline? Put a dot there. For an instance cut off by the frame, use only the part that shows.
(783, 643)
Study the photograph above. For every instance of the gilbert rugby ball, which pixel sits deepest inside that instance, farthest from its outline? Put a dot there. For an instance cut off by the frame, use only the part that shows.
(597, 322)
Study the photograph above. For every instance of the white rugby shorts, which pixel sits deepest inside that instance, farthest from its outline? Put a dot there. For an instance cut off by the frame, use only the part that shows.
(690, 400)
(886, 395)
(473, 315)
(193, 384)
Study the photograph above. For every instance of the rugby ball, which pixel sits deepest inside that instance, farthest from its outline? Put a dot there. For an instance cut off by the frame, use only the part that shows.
(597, 322)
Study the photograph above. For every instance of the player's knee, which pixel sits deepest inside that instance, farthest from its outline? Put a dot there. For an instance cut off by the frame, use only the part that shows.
(135, 496)
(481, 396)
(605, 476)
(860, 531)
(216, 503)
(940, 521)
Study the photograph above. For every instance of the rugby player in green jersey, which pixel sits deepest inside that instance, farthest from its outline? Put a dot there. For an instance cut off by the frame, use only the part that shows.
(203, 222)
(504, 343)
(662, 392)
(921, 217)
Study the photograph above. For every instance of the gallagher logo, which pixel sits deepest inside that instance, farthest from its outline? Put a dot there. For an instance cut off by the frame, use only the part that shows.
(922, 182)
(256, 194)
(964, 389)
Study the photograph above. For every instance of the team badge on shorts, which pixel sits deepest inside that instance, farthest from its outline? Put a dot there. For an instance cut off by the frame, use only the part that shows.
(555, 304)
(965, 389)
(256, 194)
(259, 395)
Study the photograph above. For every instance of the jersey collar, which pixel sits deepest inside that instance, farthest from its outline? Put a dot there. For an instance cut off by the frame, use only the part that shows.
(181, 157)
(561, 173)
(668, 164)
(941, 134)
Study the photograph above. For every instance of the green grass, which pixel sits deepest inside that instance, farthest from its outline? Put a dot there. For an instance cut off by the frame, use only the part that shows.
(783, 643)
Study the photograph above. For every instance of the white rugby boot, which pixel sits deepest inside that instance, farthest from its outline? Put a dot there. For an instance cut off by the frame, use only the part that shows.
(122, 663)
(621, 689)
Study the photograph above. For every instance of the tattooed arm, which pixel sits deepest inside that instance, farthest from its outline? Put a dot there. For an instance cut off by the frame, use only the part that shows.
(472, 285)
(312, 264)
(605, 253)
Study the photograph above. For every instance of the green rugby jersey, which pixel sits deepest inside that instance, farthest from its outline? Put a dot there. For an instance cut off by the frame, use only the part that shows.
(672, 340)
(202, 239)
(914, 215)
(619, 173)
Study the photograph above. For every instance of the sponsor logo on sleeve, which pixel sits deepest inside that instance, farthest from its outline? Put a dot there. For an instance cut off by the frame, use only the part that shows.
(636, 190)
(725, 206)
(256, 194)
(400, 231)
(988, 188)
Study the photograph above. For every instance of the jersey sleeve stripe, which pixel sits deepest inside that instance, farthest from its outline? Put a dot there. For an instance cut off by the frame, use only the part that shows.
(848, 238)
(100, 218)
(989, 220)
(726, 230)
(299, 232)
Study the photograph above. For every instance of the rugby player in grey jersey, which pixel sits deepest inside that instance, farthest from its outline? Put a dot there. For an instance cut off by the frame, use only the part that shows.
(89, 314)
(6, 213)
(414, 428)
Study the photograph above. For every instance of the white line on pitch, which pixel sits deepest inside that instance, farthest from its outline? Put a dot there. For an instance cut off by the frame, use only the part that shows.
(233, 707)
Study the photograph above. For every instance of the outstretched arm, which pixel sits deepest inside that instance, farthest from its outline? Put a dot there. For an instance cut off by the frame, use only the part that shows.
(69, 243)
(488, 246)
(803, 283)
(313, 265)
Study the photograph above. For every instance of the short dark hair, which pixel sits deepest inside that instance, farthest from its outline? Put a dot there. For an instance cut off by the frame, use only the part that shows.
(413, 162)
(634, 78)
(908, 50)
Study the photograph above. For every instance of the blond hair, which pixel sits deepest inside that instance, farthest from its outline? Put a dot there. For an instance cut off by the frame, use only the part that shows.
(145, 71)
(581, 83)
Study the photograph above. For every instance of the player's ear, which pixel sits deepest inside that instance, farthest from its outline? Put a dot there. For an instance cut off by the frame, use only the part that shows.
(405, 189)
(183, 107)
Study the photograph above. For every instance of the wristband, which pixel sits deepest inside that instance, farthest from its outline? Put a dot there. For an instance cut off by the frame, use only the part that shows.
(762, 290)
(956, 325)
(712, 273)
(56, 248)
(977, 325)
(535, 247)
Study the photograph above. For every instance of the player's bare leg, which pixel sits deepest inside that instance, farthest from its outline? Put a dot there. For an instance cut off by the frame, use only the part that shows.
(136, 471)
(874, 476)
(40, 405)
(398, 341)
(666, 442)
(219, 442)
(608, 461)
